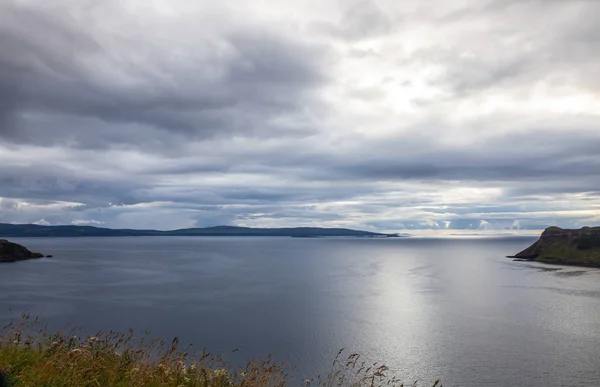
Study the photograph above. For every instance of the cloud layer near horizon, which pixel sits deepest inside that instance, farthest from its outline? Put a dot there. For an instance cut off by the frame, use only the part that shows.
(380, 115)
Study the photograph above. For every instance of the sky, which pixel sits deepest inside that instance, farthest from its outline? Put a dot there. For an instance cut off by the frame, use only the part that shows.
(378, 115)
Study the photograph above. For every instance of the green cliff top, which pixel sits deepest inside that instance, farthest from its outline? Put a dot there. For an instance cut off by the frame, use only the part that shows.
(565, 246)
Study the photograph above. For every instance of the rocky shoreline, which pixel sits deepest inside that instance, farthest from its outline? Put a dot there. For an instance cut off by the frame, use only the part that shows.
(557, 262)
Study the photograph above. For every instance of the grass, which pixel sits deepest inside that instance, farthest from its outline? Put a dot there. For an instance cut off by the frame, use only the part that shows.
(30, 356)
(570, 252)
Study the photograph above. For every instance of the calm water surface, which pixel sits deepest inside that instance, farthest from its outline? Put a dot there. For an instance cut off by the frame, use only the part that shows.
(454, 309)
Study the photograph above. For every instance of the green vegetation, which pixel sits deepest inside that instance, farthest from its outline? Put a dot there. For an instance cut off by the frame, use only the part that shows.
(570, 252)
(587, 242)
(30, 356)
(563, 246)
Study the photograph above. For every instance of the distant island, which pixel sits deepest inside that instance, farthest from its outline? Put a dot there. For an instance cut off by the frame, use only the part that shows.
(34, 230)
(11, 252)
(566, 247)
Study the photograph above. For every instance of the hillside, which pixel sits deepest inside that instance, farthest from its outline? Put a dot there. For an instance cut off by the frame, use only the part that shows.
(33, 230)
(564, 246)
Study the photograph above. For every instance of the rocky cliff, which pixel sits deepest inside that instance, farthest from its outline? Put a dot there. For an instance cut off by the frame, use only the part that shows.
(564, 246)
(10, 252)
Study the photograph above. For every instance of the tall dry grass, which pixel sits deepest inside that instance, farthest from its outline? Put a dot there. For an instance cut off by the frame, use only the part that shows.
(31, 356)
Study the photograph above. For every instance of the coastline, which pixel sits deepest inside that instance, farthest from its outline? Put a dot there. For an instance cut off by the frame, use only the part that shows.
(556, 262)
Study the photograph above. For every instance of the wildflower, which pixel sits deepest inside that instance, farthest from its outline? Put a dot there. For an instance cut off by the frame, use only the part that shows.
(93, 339)
(220, 373)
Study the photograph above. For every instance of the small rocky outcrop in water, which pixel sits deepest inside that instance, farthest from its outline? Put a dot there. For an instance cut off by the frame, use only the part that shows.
(563, 246)
(10, 252)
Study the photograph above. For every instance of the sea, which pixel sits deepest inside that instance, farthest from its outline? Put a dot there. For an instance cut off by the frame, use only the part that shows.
(454, 309)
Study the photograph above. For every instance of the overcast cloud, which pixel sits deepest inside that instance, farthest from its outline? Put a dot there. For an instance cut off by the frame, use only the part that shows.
(380, 115)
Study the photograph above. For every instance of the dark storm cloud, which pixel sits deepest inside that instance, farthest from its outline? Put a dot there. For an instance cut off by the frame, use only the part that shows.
(518, 158)
(62, 186)
(54, 67)
(521, 163)
(119, 187)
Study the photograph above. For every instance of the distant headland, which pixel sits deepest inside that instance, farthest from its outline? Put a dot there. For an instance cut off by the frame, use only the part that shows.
(11, 252)
(34, 230)
(566, 247)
